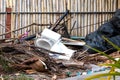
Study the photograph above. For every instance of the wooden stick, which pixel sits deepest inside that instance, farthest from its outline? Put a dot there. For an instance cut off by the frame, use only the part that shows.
(82, 53)
(24, 27)
(44, 50)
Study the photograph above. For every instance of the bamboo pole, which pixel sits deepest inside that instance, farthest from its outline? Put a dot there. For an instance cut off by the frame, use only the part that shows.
(85, 17)
(118, 4)
(92, 16)
(100, 18)
(57, 9)
(97, 16)
(48, 10)
(33, 4)
(54, 10)
(79, 19)
(35, 10)
(0, 18)
(76, 10)
(44, 10)
(18, 20)
(12, 25)
(88, 5)
(4, 17)
(39, 16)
(13, 19)
(72, 10)
(9, 3)
(25, 16)
(20, 17)
(82, 5)
(88, 9)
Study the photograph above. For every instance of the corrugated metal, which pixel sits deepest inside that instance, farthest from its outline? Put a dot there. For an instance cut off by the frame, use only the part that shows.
(85, 23)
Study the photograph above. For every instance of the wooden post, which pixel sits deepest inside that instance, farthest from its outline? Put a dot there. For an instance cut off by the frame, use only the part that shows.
(8, 22)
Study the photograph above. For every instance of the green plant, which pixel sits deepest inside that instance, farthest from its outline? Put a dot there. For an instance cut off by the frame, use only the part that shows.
(115, 65)
(5, 65)
(23, 77)
(20, 77)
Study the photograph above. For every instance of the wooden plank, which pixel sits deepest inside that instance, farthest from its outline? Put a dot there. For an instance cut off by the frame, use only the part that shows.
(8, 23)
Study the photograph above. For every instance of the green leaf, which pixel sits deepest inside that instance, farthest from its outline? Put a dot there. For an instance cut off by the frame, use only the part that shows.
(115, 46)
(113, 65)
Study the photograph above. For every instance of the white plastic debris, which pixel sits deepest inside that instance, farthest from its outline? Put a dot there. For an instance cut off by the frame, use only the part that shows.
(59, 47)
(96, 68)
(50, 40)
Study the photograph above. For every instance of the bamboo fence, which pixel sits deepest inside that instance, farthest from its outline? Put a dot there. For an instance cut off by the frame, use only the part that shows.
(88, 14)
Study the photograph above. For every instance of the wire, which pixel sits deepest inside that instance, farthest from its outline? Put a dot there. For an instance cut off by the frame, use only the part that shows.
(90, 24)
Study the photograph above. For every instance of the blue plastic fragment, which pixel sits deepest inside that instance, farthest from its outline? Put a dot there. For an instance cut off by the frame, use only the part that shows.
(78, 73)
(89, 72)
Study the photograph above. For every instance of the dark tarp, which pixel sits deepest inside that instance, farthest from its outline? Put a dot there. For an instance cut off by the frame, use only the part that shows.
(110, 30)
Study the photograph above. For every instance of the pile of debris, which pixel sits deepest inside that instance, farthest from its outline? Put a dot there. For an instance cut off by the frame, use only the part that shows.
(31, 57)
(28, 57)
(54, 55)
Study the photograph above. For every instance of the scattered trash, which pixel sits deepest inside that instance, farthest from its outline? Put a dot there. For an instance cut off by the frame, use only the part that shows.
(54, 77)
(84, 73)
(39, 66)
(59, 47)
(47, 39)
(50, 53)
(96, 68)
(53, 43)
(78, 73)
(71, 42)
(23, 36)
(73, 64)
